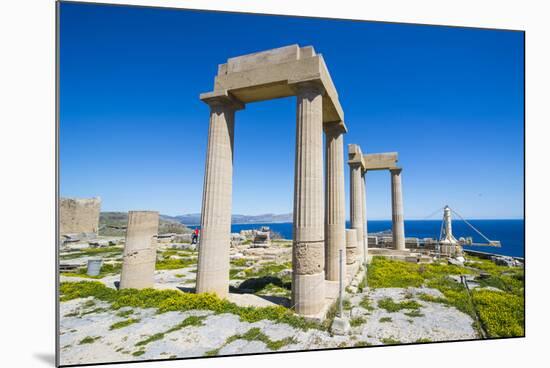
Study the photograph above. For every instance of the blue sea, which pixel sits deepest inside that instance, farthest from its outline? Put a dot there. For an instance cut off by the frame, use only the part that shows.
(509, 232)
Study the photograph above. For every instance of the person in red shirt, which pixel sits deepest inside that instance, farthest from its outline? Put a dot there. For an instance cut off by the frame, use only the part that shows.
(195, 236)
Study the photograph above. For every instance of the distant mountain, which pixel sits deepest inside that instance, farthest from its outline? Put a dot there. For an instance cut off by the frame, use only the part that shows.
(195, 218)
(114, 224)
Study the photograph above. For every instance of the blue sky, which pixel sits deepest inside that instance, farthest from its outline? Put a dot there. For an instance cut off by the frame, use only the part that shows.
(133, 130)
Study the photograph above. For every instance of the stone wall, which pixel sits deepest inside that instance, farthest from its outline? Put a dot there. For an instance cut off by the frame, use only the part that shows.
(79, 215)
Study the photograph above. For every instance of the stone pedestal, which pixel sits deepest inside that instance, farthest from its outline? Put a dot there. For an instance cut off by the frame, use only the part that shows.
(398, 225)
(356, 207)
(308, 260)
(213, 262)
(335, 216)
(140, 250)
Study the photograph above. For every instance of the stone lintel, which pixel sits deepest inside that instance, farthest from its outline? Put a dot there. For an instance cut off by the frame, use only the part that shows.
(380, 161)
(274, 73)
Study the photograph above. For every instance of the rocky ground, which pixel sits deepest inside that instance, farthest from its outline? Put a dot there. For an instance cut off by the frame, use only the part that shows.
(92, 332)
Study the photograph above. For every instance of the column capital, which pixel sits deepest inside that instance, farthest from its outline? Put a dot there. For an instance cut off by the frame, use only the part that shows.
(396, 170)
(335, 128)
(308, 87)
(221, 99)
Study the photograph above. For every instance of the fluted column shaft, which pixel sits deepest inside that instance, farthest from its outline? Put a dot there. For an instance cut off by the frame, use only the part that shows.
(213, 262)
(364, 213)
(335, 216)
(356, 207)
(308, 246)
(140, 250)
(398, 225)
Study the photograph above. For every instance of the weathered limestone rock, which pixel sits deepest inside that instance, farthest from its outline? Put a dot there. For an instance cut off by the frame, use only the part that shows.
(335, 216)
(308, 261)
(213, 262)
(79, 216)
(398, 226)
(140, 250)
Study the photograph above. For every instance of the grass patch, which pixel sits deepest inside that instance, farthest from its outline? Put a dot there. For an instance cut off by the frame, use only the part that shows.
(174, 300)
(213, 352)
(240, 262)
(189, 321)
(138, 353)
(389, 305)
(88, 252)
(423, 340)
(107, 269)
(124, 323)
(357, 321)
(414, 313)
(365, 303)
(174, 264)
(255, 334)
(385, 320)
(88, 340)
(385, 273)
(390, 341)
(362, 344)
(125, 313)
(501, 314)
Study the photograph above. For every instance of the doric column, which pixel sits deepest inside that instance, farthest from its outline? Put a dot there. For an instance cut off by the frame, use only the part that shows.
(308, 258)
(356, 206)
(398, 226)
(140, 250)
(351, 248)
(335, 214)
(364, 214)
(213, 262)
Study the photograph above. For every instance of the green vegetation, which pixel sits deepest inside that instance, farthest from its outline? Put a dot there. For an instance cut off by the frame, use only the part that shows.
(90, 252)
(255, 334)
(125, 313)
(500, 313)
(174, 264)
(88, 340)
(189, 321)
(384, 273)
(414, 313)
(390, 341)
(124, 323)
(365, 303)
(389, 305)
(107, 269)
(362, 344)
(138, 353)
(174, 300)
(212, 352)
(241, 262)
(346, 304)
(385, 320)
(423, 340)
(356, 321)
(269, 269)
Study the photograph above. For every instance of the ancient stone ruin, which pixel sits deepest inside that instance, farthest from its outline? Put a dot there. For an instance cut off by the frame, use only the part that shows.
(140, 250)
(79, 217)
